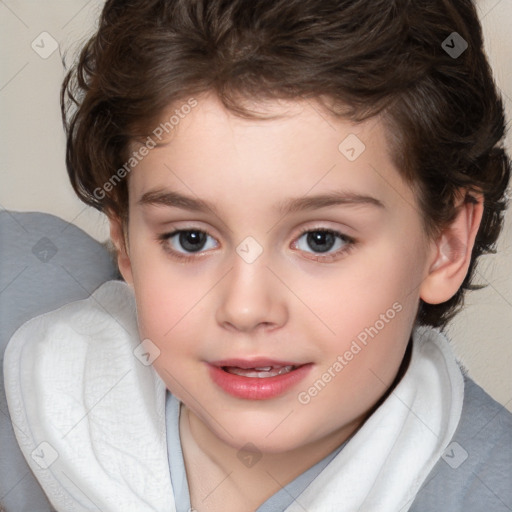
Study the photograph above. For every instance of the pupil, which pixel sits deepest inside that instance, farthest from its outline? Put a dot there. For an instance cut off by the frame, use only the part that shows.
(320, 241)
(190, 240)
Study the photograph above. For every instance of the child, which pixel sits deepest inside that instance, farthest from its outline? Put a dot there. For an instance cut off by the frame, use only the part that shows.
(298, 192)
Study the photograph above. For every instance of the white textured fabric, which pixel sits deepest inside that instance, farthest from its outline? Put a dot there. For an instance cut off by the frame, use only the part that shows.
(74, 385)
(383, 466)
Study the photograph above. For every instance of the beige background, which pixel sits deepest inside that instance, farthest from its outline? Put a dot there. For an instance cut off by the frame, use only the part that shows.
(33, 175)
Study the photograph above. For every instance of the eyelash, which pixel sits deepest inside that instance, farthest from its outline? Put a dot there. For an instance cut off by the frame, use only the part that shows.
(346, 249)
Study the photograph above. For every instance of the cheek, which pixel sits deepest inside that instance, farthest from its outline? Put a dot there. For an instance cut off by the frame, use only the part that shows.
(160, 287)
(370, 309)
(163, 308)
(363, 288)
(163, 316)
(162, 301)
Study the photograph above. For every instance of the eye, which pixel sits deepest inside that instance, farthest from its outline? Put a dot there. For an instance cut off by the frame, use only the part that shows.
(324, 241)
(185, 241)
(322, 244)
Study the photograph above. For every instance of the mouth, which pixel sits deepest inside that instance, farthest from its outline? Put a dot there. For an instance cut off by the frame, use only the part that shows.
(257, 379)
(263, 372)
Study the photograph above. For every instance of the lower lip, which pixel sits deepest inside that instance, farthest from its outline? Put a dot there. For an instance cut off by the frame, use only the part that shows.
(254, 388)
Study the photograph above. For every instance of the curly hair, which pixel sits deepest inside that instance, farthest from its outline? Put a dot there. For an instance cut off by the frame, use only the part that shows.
(359, 59)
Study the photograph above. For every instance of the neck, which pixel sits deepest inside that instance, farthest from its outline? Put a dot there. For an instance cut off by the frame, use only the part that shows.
(209, 460)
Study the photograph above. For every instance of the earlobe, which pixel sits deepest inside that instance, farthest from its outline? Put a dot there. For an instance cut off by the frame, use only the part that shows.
(452, 253)
(120, 242)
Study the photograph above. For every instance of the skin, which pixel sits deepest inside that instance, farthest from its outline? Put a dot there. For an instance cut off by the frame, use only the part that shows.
(289, 304)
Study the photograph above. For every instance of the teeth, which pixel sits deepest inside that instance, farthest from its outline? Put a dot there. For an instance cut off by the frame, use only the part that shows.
(260, 373)
(286, 369)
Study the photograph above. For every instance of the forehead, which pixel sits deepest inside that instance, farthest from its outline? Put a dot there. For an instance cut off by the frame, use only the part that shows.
(294, 149)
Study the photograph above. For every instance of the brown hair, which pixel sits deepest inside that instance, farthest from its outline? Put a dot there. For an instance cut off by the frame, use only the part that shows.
(358, 58)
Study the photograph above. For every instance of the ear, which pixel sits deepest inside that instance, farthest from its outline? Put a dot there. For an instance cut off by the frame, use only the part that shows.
(120, 240)
(452, 252)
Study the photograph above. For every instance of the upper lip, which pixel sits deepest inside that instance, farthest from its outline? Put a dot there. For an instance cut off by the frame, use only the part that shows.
(253, 363)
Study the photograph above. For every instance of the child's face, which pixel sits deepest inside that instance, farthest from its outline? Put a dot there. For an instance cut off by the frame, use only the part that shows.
(257, 292)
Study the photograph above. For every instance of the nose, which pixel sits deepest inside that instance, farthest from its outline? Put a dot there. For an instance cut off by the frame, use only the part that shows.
(252, 298)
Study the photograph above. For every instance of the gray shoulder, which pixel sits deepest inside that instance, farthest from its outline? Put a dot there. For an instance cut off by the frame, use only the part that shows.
(475, 472)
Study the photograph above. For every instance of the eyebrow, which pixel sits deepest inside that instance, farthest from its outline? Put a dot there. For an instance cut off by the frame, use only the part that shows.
(163, 197)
